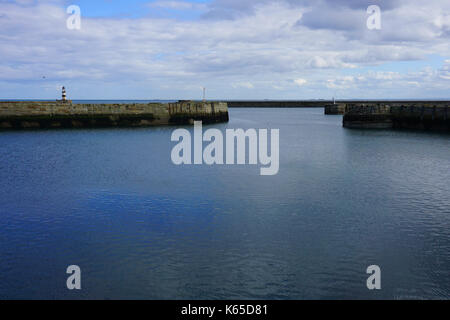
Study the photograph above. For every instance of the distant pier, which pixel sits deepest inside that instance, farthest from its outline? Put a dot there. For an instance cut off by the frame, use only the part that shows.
(335, 108)
(425, 115)
(371, 114)
(278, 103)
(15, 115)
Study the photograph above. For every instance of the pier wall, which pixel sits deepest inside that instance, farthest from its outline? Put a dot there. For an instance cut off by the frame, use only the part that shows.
(338, 108)
(59, 114)
(278, 104)
(184, 112)
(414, 115)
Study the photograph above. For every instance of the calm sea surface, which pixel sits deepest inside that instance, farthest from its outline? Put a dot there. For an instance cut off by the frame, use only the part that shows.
(112, 202)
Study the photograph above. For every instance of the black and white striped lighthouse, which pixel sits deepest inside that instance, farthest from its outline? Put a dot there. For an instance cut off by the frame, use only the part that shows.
(64, 94)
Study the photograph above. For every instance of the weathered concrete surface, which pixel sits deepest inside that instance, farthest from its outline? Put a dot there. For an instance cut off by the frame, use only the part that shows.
(337, 108)
(58, 114)
(185, 112)
(414, 115)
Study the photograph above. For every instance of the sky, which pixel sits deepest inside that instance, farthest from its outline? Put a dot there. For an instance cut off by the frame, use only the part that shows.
(237, 49)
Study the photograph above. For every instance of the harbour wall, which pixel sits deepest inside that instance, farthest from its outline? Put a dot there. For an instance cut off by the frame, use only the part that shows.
(339, 107)
(60, 114)
(277, 104)
(336, 108)
(425, 115)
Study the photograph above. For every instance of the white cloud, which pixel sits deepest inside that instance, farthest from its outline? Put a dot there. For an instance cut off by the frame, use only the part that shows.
(300, 82)
(177, 5)
(247, 85)
(444, 72)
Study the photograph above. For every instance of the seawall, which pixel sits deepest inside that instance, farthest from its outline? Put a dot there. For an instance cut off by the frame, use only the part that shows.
(59, 114)
(425, 115)
(278, 104)
(336, 108)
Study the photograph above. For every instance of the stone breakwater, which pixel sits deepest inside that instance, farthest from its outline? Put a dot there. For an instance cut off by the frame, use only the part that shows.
(413, 115)
(58, 114)
(337, 108)
(278, 104)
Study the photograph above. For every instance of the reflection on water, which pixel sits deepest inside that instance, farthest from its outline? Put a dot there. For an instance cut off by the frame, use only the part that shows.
(112, 202)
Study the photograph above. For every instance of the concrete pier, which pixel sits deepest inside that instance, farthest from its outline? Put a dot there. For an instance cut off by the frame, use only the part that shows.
(424, 115)
(337, 108)
(65, 114)
(278, 103)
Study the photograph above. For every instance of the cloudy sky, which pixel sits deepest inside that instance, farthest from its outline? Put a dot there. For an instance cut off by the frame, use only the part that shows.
(237, 49)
